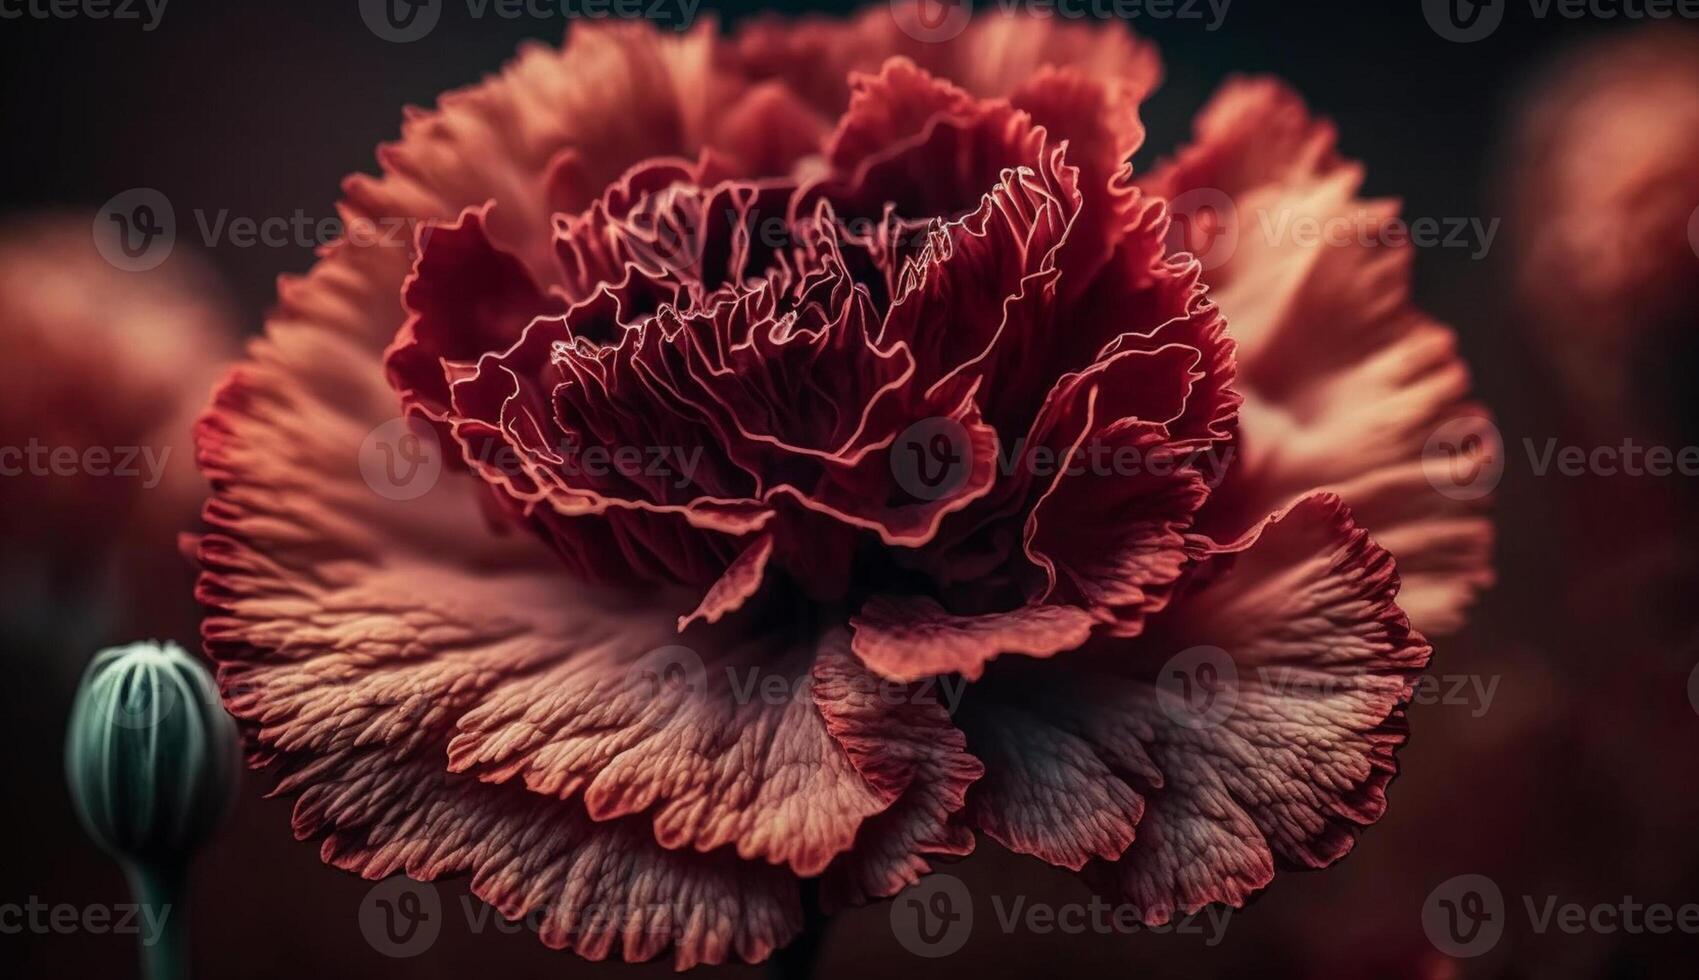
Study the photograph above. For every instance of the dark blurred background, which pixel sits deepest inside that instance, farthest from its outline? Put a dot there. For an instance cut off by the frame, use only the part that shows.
(1575, 780)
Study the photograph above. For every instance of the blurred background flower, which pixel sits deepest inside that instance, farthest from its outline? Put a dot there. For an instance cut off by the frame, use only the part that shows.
(1601, 181)
(104, 372)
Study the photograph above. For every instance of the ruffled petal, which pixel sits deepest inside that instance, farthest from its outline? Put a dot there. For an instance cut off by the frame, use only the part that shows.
(1062, 790)
(1099, 119)
(734, 753)
(352, 630)
(1344, 379)
(598, 889)
(907, 638)
(995, 54)
(902, 740)
(742, 579)
(1109, 530)
(977, 302)
(1269, 737)
(541, 136)
(465, 297)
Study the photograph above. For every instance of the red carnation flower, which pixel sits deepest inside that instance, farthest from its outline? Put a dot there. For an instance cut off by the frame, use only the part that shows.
(773, 380)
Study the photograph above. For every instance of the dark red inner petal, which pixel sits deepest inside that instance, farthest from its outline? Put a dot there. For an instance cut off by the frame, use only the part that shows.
(732, 378)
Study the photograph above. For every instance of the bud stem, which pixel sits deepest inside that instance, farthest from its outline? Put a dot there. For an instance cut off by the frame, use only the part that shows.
(165, 950)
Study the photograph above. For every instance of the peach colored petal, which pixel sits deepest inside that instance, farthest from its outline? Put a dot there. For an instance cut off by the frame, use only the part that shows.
(1344, 379)
(351, 638)
(735, 755)
(598, 889)
(903, 742)
(350, 632)
(743, 577)
(514, 139)
(912, 637)
(1319, 717)
(1193, 809)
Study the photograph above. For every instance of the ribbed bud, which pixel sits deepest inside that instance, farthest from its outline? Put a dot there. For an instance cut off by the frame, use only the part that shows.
(151, 755)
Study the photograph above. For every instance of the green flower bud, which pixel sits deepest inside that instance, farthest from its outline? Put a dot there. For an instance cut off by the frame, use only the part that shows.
(151, 755)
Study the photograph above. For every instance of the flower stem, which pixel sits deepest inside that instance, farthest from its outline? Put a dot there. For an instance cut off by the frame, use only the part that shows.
(163, 923)
(797, 961)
